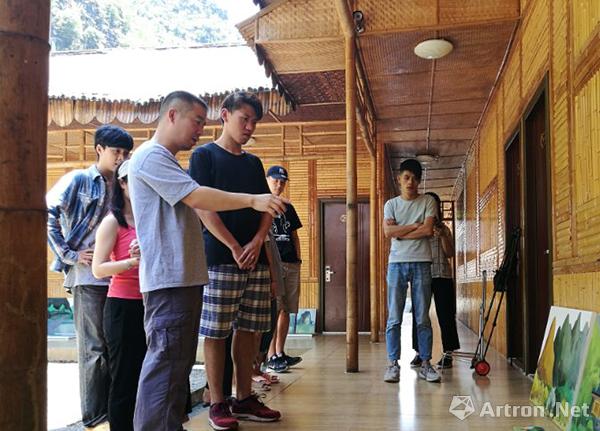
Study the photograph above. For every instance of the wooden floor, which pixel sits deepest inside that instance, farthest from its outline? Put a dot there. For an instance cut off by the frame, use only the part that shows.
(319, 395)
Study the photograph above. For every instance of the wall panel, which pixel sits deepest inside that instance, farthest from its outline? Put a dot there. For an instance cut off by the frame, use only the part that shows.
(554, 38)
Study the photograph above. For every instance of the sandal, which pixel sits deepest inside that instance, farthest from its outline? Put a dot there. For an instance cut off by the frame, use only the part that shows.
(272, 378)
(261, 379)
(261, 385)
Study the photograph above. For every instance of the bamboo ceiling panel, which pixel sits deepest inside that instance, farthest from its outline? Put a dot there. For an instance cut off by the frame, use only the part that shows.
(323, 87)
(448, 121)
(300, 19)
(386, 15)
(441, 147)
(395, 111)
(400, 90)
(476, 46)
(459, 106)
(305, 56)
(392, 54)
(453, 84)
(318, 112)
(398, 15)
(466, 11)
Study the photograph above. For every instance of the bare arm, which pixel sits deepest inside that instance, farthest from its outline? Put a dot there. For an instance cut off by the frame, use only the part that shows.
(424, 230)
(106, 236)
(296, 242)
(393, 230)
(446, 242)
(207, 198)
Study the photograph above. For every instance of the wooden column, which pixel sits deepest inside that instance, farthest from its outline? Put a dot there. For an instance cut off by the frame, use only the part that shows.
(373, 246)
(351, 211)
(23, 112)
(381, 254)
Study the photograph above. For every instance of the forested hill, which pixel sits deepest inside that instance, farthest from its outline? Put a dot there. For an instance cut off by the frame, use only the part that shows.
(98, 24)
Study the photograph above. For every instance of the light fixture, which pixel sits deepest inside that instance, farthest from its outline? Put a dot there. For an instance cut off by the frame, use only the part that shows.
(426, 158)
(433, 49)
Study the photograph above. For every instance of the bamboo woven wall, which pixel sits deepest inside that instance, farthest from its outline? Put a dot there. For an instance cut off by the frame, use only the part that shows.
(313, 153)
(554, 38)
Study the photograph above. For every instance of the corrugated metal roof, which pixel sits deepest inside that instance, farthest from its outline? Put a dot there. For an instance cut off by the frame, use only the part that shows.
(141, 74)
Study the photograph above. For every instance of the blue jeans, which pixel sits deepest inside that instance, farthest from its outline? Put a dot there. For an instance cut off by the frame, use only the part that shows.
(92, 353)
(398, 277)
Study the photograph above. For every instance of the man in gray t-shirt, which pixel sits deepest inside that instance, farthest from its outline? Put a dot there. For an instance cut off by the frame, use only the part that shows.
(173, 265)
(408, 222)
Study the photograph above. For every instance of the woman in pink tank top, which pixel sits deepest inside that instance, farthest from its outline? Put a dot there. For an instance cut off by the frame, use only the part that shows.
(116, 254)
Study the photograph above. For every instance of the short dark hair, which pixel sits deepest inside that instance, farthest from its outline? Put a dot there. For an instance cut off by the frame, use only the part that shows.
(235, 101)
(113, 136)
(412, 165)
(438, 201)
(182, 97)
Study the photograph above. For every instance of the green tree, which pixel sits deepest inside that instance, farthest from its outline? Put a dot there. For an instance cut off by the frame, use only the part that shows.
(98, 24)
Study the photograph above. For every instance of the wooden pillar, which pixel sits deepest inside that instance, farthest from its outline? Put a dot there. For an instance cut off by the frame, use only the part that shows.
(381, 255)
(351, 211)
(23, 114)
(373, 246)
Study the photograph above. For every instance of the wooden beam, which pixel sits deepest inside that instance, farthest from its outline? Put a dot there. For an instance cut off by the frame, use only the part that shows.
(24, 53)
(346, 24)
(373, 246)
(365, 132)
(351, 195)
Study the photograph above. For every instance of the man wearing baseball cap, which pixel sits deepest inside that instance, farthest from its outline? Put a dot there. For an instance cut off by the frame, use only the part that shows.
(284, 228)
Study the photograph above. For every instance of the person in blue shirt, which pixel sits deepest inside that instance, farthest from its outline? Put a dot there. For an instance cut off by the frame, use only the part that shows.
(76, 205)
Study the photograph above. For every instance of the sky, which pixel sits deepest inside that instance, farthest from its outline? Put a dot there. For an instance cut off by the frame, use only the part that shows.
(238, 10)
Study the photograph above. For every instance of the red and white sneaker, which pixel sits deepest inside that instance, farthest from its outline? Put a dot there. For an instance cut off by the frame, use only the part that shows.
(220, 419)
(253, 409)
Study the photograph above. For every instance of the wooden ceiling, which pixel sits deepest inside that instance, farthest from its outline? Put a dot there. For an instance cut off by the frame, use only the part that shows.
(421, 106)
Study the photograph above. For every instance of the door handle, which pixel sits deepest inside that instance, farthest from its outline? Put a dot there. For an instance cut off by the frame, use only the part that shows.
(328, 273)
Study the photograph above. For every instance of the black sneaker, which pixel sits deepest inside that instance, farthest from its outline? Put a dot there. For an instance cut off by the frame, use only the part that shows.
(277, 364)
(445, 362)
(291, 360)
(416, 362)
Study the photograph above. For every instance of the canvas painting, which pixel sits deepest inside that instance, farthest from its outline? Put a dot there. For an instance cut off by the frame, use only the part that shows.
(560, 363)
(587, 399)
(60, 318)
(305, 321)
(292, 327)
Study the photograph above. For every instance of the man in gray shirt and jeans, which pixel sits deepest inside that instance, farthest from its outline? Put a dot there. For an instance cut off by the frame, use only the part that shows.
(173, 264)
(408, 222)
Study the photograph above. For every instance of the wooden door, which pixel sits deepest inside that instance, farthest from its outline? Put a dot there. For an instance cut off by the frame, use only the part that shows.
(515, 296)
(538, 290)
(333, 271)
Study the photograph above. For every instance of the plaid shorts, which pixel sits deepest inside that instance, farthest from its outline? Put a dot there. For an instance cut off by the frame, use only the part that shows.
(236, 298)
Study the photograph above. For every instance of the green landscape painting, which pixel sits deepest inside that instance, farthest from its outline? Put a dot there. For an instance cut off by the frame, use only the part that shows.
(561, 362)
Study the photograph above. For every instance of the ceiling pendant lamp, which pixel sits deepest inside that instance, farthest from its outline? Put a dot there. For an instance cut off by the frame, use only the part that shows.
(432, 49)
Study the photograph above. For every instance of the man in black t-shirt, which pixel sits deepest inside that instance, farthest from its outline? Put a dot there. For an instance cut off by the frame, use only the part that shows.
(284, 230)
(238, 293)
